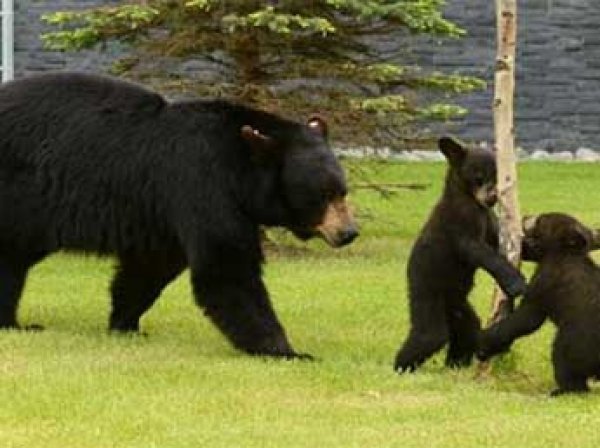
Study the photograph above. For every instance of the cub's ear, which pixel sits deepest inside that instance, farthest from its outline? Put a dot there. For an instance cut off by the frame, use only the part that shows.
(318, 125)
(595, 239)
(528, 223)
(454, 151)
(256, 139)
(580, 238)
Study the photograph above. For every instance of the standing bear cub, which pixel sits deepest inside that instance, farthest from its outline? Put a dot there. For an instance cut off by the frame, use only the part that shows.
(99, 165)
(460, 236)
(565, 288)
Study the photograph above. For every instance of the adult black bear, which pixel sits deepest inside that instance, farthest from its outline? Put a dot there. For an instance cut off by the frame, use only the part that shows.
(564, 288)
(99, 165)
(460, 236)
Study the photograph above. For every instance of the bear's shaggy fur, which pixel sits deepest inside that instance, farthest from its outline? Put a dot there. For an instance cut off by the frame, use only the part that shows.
(564, 288)
(460, 236)
(99, 165)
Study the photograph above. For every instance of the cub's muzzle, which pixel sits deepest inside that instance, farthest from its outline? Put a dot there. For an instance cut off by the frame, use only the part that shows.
(486, 195)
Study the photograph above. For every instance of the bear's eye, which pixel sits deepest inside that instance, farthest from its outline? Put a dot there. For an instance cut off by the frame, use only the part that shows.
(334, 192)
(330, 194)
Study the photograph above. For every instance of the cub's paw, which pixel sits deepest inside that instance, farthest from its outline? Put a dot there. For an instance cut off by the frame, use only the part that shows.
(487, 349)
(482, 355)
(572, 389)
(483, 352)
(515, 287)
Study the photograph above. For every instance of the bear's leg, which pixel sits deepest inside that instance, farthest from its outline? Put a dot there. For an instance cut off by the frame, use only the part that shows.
(464, 326)
(13, 273)
(428, 334)
(236, 300)
(568, 375)
(12, 280)
(136, 286)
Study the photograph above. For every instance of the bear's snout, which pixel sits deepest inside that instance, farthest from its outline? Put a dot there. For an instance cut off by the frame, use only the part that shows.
(347, 236)
(338, 227)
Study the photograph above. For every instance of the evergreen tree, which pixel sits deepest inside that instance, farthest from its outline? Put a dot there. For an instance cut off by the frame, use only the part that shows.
(290, 56)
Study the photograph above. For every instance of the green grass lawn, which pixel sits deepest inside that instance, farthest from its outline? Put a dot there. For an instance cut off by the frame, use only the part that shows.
(74, 386)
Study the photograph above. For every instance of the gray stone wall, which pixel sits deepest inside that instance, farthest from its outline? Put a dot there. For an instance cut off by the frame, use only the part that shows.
(558, 66)
(31, 58)
(558, 70)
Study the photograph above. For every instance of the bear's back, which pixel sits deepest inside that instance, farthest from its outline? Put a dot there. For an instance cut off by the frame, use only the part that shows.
(82, 146)
(33, 109)
(61, 118)
(65, 92)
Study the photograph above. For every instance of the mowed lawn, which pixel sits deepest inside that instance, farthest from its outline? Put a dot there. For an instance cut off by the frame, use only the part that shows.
(75, 386)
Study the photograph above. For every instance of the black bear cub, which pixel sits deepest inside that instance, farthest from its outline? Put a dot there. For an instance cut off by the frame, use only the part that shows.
(565, 288)
(460, 236)
(99, 165)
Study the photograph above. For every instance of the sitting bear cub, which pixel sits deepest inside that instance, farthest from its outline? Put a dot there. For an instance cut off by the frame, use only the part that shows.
(564, 288)
(460, 236)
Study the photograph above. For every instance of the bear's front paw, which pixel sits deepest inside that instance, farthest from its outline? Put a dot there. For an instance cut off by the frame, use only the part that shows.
(288, 356)
(276, 346)
(403, 365)
(408, 368)
(302, 357)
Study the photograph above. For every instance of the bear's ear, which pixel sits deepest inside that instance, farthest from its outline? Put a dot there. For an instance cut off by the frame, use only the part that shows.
(454, 151)
(318, 125)
(256, 139)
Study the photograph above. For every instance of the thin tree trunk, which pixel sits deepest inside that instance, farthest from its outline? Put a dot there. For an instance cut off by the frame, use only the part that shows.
(509, 213)
(245, 48)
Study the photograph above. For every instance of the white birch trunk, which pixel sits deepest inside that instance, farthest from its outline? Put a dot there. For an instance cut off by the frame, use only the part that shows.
(504, 135)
